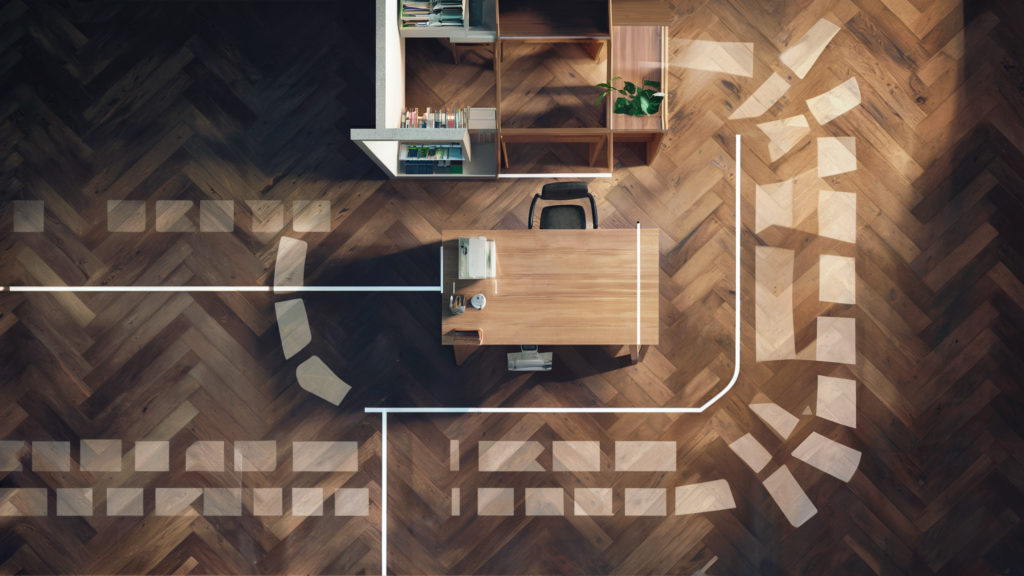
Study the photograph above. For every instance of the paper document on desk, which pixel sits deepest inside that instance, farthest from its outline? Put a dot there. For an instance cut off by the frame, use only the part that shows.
(477, 258)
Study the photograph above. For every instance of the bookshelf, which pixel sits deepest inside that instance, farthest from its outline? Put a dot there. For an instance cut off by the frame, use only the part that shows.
(423, 159)
(638, 48)
(388, 147)
(576, 19)
(638, 54)
(466, 32)
(481, 165)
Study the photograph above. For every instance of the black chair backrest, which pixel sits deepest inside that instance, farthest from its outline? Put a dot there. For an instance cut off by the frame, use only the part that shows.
(557, 191)
(564, 191)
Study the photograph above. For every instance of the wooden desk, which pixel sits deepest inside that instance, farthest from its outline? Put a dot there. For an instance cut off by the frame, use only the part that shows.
(558, 287)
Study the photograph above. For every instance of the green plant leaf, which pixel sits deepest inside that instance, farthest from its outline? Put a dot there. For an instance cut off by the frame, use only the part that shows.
(623, 92)
(652, 83)
(604, 86)
(644, 104)
(621, 106)
(630, 87)
(601, 97)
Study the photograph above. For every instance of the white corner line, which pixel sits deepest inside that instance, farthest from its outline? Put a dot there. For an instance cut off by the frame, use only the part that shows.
(651, 410)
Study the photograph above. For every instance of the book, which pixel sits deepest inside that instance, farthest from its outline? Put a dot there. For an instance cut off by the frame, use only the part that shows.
(430, 118)
(432, 13)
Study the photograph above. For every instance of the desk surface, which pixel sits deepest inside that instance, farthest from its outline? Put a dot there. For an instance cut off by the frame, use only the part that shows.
(558, 287)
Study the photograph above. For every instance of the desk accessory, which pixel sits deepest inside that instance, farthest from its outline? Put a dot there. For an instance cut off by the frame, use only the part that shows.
(457, 303)
(478, 258)
(643, 99)
(528, 359)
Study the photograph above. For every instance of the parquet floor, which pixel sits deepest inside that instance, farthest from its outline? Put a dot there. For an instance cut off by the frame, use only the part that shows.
(253, 101)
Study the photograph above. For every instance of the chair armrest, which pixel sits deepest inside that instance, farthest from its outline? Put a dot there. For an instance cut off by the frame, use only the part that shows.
(533, 206)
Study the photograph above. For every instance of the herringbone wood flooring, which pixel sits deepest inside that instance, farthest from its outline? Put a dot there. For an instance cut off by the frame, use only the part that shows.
(244, 101)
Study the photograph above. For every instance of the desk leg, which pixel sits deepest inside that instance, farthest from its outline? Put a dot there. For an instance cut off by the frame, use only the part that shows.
(504, 153)
(465, 343)
(637, 353)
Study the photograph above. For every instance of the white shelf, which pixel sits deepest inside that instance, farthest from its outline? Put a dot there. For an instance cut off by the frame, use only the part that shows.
(482, 166)
(411, 134)
(403, 151)
(457, 34)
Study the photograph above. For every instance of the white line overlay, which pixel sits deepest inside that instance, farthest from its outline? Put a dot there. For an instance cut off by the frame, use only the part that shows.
(440, 288)
(560, 175)
(437, 288)
(651, 410)
(569, 410)
(140, 288)
(638, 287)
(225, 289)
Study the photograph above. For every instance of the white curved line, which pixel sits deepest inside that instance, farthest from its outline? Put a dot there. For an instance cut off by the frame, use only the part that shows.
(651, 410)
(736, 289)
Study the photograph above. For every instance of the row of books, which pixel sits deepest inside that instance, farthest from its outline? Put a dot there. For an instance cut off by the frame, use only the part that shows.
(431, 13)
(431, 158)
(427, 167)
(447, 118)
(432, 152)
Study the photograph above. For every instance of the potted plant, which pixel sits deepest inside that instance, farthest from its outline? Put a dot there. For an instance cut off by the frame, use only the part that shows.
(635, 100)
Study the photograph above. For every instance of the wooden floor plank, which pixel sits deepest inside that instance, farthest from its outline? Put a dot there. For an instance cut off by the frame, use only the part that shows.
(253, 101)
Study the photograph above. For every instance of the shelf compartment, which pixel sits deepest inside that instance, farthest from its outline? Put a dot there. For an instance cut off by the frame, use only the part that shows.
(553, 19)
(638, 54)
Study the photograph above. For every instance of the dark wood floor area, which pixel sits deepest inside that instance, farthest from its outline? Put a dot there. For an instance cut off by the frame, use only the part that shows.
(254, 100)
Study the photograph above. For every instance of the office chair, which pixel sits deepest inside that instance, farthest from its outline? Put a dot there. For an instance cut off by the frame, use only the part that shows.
(564, 216)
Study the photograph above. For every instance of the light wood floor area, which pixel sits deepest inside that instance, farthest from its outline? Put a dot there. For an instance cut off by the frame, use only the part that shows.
(253, 101)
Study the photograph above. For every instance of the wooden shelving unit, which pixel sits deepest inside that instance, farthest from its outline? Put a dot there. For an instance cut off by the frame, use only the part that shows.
(466, 33)
(547, 20)
(635, 51)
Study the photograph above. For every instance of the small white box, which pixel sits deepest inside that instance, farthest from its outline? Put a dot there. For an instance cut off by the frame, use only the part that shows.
(472, 258)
